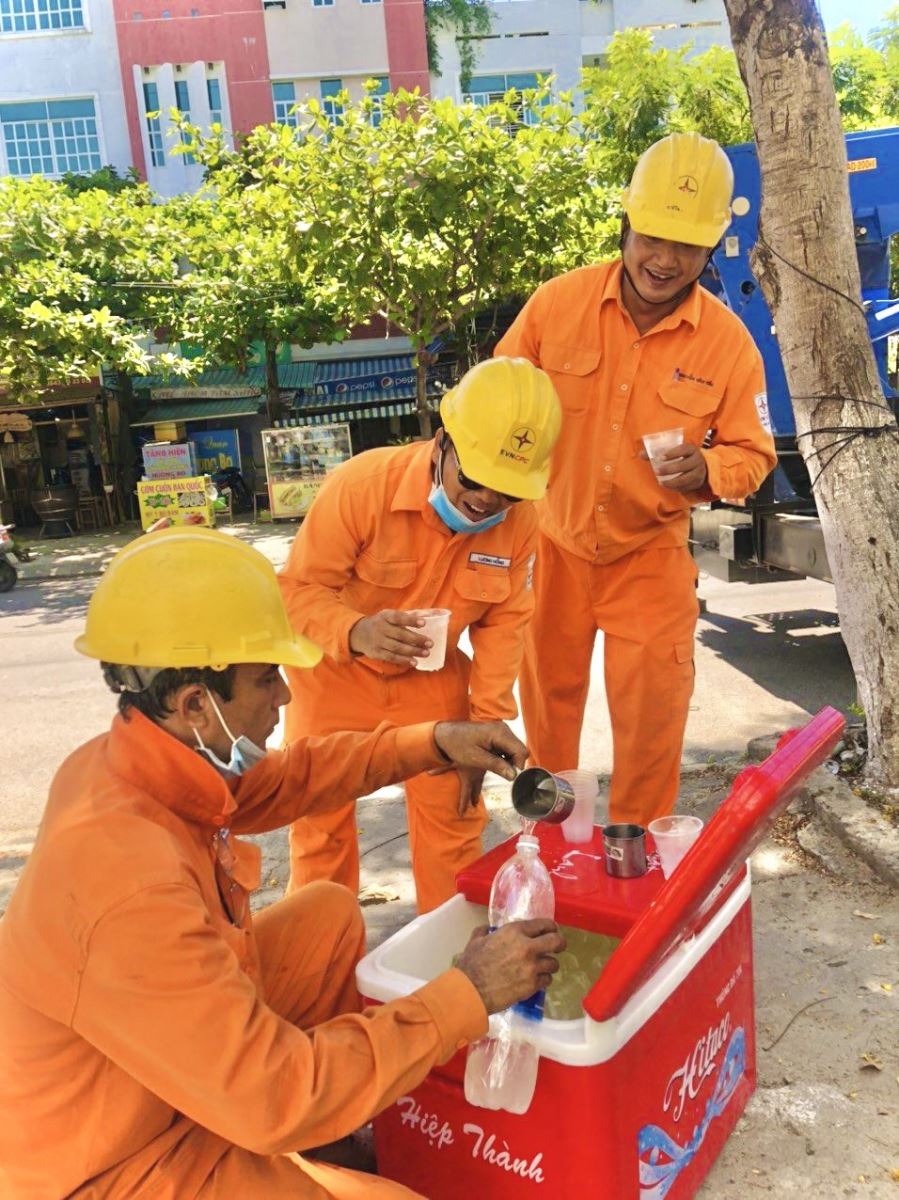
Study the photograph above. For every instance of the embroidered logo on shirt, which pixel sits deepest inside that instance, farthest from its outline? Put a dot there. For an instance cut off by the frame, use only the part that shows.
(761, 407)
(490, 560)
(685, 375)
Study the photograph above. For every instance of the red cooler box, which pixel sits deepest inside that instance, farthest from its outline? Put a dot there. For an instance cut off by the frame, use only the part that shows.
(636, 1097)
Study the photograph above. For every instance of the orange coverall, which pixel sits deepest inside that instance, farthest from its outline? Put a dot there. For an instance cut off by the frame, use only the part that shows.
(612, 550)
(151, 1046)
(372, 541)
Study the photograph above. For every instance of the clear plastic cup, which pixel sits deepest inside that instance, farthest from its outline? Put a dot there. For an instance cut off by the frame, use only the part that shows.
(673, 837)
(436, 625)
(657, 444)
(578, 827)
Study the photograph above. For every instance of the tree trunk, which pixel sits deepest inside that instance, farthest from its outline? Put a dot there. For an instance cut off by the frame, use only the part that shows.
(423, 360)
(272, 387)
(805, 261)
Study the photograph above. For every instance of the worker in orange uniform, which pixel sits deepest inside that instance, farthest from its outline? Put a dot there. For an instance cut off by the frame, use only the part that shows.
(403, 528)
(634, 347)
(156, 1039)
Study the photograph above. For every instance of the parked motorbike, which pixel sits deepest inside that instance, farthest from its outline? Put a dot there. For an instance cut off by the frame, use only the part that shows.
(230, 477)
(8, 573)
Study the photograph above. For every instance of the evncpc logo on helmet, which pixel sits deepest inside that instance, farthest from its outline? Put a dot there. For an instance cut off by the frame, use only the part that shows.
(519, 445)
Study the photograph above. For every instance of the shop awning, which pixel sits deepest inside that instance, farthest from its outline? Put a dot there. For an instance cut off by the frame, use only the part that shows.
(290, 376)
(345, 377)
(199, 410)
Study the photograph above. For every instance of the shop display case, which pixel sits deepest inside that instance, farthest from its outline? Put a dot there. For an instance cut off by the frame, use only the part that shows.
(297, 460)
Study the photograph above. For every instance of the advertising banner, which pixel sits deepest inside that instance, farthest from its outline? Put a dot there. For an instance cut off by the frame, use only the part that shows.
(169, 460)
(216, 449)
(180, 501)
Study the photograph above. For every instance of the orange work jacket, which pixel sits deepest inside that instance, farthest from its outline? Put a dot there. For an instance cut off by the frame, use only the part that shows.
(128, 996)
(697, 369)
(372, 541)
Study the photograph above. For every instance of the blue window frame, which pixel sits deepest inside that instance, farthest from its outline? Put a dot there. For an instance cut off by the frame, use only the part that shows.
(182, 103)
(40, 16)
(51, 137)
(214, 97)
(329, 90)
(154, 127)
(486, 89)
(284, 98)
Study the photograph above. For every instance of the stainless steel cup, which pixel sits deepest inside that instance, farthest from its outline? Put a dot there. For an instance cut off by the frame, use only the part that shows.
(624, 847)
(538, 795)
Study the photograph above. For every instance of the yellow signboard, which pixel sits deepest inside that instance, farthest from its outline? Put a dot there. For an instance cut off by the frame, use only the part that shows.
(292, 499)
(178, 501)
(861, 164)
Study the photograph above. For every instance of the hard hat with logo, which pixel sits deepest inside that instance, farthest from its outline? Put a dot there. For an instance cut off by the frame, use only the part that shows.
(191, 597)
(681, 191)
(504, 418)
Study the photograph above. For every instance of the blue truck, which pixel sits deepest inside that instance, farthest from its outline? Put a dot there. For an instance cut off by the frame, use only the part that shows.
(777, 534)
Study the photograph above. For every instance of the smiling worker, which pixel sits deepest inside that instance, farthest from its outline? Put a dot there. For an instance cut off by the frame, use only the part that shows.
(444, 524)
(157, 1038)
(634, 347)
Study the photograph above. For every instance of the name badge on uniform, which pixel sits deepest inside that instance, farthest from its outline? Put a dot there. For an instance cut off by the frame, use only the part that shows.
(490, 560)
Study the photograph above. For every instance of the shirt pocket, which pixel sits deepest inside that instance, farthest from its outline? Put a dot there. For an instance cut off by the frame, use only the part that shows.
(477, 590)
(689, 406)
(570, 368)
(380, 583)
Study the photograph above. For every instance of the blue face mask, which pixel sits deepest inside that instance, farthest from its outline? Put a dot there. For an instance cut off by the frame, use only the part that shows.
(244, 752)
(455, 520)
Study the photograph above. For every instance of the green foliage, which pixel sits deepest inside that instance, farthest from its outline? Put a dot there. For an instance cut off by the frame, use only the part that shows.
(107, 179)
(66, 262)
(468, 19)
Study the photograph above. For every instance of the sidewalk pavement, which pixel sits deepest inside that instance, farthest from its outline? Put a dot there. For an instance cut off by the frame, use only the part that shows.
(859, 825)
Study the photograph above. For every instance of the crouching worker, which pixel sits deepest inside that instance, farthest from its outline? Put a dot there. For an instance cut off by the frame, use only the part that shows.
(156, 1039)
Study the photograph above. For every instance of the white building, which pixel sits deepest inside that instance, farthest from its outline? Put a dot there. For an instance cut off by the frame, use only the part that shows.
(560, 37)
(61, 105)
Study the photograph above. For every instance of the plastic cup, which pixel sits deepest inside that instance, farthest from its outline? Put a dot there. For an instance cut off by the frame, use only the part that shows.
(657, 444)
(436, 625)
(673, 837)
(578, 827)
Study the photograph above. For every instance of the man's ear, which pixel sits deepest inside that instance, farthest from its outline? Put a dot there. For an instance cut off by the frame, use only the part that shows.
(190, 707)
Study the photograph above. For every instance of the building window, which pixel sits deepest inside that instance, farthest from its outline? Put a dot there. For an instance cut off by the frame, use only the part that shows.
(214, 97)
(182, 103)
(487, 89)
(154, 128)
(51, 137)
(330, 89)
(371, 1)
(383, 88)
(322, 3)
(284, 98)
(38, 16)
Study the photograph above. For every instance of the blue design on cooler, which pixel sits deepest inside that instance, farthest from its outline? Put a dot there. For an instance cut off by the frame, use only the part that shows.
(661, 1158)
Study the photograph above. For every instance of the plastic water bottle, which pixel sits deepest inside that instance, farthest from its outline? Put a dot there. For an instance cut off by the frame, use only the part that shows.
(501, 1069)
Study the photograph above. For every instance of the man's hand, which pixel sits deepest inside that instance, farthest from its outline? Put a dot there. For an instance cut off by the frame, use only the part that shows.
(390, 637)
(471, 780)
(481, 745)
(682, 469)
(512, 963)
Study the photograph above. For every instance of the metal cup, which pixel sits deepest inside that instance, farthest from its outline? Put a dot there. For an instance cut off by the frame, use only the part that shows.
(538, 795)
(624, 847)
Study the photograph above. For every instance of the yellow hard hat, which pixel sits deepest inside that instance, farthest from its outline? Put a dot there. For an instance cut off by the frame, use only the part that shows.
(681, 191)
(191, 597)
(504, 418)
